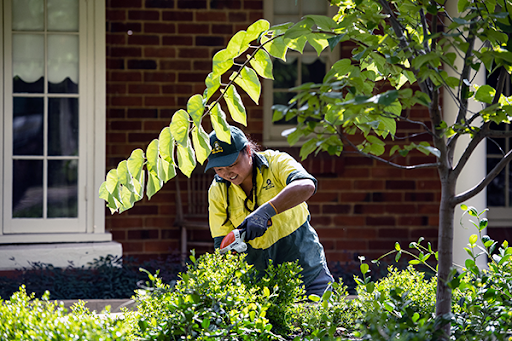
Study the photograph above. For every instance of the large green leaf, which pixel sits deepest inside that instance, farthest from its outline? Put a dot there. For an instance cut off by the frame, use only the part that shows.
(219, 123)
(166, 170)
(135, 163)
(212, 84)
(237, 45)
(319, 41)
(276, 48)
(262, 64)
(323, 22)
(186, 159)
(296, 44)
(154, 184)
(166, 145)
(123, 175)
(222, 62)
(195, 109)
(107, 196)
(248, 80)
(179, 126)
(485, 93)
(300, 29)
(152, 156)
(201, 142)
(255, 30)
(235, 106)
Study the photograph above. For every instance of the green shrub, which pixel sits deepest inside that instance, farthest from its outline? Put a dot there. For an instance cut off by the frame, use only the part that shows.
(24, 317)
(219, 297)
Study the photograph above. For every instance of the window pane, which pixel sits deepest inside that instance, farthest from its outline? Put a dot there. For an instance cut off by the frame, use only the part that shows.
(28, 63)
(62, 188)
(286, 7)
(496, 146)
(313, 69)
(496, 189)
(27, 126)
(62, 126)
(314, 7)
(285, 74)
(28, 15)
(62, 63)
(63, 15)
(27, 194)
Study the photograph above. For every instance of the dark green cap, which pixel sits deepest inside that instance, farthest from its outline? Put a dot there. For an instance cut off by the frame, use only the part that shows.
(224, 154)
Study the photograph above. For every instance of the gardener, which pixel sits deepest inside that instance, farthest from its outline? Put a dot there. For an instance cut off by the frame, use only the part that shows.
(265, 193)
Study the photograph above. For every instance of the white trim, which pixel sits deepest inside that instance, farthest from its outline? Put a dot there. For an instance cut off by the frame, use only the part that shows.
(55, 238)
(500, 216)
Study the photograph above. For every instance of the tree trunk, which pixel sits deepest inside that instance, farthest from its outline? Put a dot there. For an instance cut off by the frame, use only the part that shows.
(445, 252)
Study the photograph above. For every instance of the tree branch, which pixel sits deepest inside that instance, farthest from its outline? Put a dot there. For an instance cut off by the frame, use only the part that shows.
(396, 165)
(485, 181)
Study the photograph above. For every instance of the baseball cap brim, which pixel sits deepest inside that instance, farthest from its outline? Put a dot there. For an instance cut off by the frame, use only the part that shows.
(223, 161)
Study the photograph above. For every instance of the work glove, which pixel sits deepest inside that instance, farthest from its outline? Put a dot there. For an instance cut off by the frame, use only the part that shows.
(257, 222)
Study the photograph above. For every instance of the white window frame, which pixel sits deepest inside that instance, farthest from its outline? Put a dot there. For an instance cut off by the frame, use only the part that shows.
(272, 132)
(90, 225)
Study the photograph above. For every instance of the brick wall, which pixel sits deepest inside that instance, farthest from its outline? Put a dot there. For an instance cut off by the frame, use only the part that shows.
(158, 55)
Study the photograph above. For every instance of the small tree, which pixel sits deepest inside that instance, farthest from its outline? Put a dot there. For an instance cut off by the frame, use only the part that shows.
(404, 47)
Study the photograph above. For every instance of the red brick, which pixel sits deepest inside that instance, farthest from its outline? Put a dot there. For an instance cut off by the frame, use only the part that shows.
(125, 27)
(394, 233)
(387, 173)
(198, 52)
(229, 4)
(353, 197)
(115, 63)
(349, 221)
(177, 89)
(116, 138)
(125, 125)
(175, 64)
(324, 197)
(222, 29)
(207, 66)
(159, 76)
(211, 16)
(160, 246)
(155, 126)
(159, 3)
(368, 209)
(210, 41)
(159, 52)
(426, 209)
(237, 17)
(253, 4)
(143, 209)
(115, 15)
(336, 209)
(369, 184)
(177, 40)
(331, 233)
(143, 234)
(380, 221)
(125, 76)
(185, 28)
(143, 15)
(337, 256)
(354, 245)
(142, 113)
(425, 233)
(396, 184)
(116, 88)
(387, 197)
(413, 220)
(124, 222)
(125, 3)
(177, 16)
(126, 101)
(401, 209)
(159, 101)
(353, 233)
(159, 28)
(170, 233)
(143, 39)
(118, 235)
(132, 247)
(124, 52)
(143, 89)
(318, 220)
(191, 4)
(355, 173)
(191, 76)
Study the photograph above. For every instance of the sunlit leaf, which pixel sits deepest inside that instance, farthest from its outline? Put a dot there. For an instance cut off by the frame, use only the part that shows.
(248, 80)
(222, 62)
(485, 93)
(219, 123)
(237, 45)
(135, 163)
(262, 64)
(195, 109)
(201, 143)
(319, 41)
(186, 159)
(276, 48)
(154, 184)
(212, 85)
(235, 106)
(255, 30)
(166, 145)
(179, 126)
(152, 156)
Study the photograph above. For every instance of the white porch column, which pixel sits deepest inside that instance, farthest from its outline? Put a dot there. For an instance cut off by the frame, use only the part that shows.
(475, 169)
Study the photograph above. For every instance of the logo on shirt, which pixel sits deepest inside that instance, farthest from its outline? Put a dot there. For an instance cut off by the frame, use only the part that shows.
(269, 185)
(217, 148)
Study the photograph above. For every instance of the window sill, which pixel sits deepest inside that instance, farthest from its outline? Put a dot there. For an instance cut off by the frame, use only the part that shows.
(28, 238)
